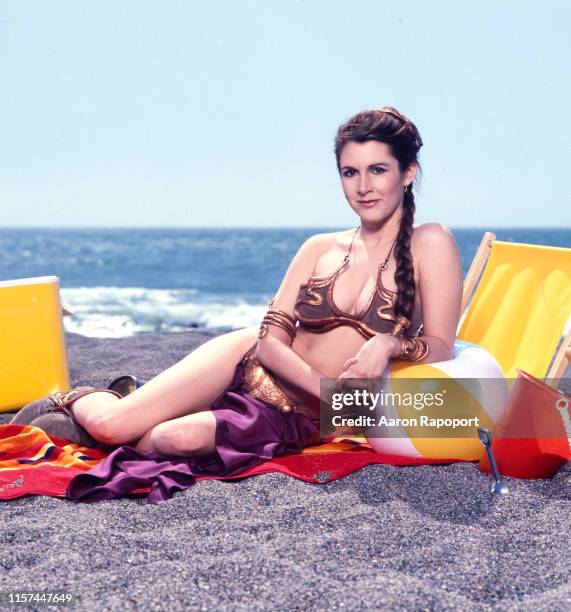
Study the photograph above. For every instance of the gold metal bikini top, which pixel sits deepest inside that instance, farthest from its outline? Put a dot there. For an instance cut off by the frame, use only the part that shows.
(316, 311)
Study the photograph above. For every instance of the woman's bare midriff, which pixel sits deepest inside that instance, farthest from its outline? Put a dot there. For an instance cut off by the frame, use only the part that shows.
(326, 353)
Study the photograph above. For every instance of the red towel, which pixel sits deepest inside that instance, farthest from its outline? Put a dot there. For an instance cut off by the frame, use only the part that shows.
(31, 462)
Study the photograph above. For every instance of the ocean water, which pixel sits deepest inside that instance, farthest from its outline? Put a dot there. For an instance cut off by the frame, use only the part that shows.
(122, 282)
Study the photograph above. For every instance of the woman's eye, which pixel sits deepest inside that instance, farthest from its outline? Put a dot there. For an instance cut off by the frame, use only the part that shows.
(378, 170)
(348, 172)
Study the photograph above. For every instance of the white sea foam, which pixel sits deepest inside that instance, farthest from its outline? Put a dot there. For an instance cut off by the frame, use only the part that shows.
(112, 312)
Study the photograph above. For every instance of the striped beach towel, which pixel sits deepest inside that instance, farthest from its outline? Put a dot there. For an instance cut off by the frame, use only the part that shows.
(34, 463)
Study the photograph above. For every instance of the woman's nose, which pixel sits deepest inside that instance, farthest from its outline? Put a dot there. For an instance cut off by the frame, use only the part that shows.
(364, 186)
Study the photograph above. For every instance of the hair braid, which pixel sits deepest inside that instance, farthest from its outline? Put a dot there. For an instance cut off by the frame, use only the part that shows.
(404, 274)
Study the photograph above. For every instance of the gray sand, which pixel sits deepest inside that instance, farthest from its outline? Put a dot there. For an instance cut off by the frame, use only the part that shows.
(428, 537)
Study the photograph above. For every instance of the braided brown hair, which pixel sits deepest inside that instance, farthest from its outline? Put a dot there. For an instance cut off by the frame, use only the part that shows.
(388, 125)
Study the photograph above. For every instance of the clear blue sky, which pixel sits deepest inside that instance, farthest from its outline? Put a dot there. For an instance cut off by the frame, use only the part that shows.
(223, 113)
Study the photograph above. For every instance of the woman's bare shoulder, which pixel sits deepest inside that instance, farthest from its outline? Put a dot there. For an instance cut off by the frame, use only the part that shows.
(433, 246)
(431, 237)
(327, 241)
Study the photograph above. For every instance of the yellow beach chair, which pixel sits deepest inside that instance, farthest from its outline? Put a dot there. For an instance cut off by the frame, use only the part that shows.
(520, 307)
(33, 360)
(517, 313)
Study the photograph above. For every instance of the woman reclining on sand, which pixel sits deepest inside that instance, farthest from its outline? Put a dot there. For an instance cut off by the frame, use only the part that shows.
(350, 301)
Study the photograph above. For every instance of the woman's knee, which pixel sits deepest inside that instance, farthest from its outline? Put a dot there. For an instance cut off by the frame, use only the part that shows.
(108, 428)
(172, 438)
(97, 413)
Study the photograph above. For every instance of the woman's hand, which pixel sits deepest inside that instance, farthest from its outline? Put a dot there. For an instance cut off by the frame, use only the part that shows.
(373, 358)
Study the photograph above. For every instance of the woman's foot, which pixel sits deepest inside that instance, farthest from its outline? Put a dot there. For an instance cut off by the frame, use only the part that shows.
(42, 406)
(62, 426)
(53, 414)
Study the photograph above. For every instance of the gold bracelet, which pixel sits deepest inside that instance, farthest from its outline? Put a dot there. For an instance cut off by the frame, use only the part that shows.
(281, 313)
(420, 351)
(285, 325)
(417, 352)
(279, 318)
(405, 350)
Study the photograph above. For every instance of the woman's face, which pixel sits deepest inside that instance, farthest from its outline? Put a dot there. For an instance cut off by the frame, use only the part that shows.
(371, 180)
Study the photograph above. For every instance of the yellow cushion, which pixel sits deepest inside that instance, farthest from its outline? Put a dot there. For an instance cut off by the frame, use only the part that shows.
(521, 305)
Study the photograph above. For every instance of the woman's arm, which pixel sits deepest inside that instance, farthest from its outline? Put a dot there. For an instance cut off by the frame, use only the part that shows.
(281, 359)
(274, 349)
(440, 286)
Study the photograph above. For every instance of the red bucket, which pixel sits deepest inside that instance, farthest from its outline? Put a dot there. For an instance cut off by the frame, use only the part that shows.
(533, 437)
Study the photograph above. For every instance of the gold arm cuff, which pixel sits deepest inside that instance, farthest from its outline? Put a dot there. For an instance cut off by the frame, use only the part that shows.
(279, 319)
(271, 316)
(416, 351)
(404, 349)
(286, 327)
(282, 314)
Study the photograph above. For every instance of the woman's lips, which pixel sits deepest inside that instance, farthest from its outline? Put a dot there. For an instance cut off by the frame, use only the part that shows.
(367, 203)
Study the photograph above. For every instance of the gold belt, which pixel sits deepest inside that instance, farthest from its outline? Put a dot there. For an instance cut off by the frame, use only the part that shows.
(259, 383)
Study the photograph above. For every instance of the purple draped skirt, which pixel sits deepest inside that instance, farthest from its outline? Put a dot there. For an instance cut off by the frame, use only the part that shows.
(248, 432)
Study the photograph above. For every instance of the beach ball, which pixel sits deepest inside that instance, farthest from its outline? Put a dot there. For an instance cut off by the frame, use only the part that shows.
(434, 410)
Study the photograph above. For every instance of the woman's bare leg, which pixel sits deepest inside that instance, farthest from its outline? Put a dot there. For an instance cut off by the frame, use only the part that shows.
(191, 435)
(191, 385)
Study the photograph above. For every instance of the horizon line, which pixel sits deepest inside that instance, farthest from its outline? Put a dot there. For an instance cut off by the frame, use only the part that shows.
(262, 227)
